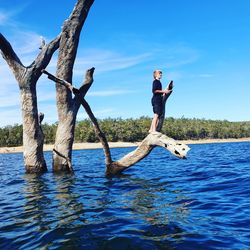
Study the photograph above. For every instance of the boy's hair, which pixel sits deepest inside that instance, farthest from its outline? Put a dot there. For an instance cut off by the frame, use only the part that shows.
(157, 70)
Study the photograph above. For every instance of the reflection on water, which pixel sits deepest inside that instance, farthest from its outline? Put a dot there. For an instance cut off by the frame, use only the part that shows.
(161, 203)
(52, 207)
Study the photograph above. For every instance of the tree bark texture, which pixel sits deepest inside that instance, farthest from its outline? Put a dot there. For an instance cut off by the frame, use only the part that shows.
(67, 107)
(32, 133)
(27, 78)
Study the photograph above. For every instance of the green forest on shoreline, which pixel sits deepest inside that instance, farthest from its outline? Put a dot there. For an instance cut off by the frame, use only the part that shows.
(133, 130)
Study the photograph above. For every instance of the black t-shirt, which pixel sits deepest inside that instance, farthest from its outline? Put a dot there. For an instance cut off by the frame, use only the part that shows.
(157, 97)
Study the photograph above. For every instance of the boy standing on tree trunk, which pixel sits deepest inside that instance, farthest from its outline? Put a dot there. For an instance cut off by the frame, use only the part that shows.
(157, 98)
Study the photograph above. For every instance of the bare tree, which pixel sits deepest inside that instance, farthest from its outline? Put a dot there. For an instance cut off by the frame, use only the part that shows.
(27, 77)
(67, 107)
(152, 140)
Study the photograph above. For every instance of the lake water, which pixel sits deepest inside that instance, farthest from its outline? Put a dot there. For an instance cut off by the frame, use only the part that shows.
(160, 203)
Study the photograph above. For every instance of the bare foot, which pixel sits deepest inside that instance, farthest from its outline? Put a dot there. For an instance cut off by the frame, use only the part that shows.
(152, 131)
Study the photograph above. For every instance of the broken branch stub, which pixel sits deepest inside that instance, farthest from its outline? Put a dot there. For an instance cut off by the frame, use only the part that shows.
(174, 147)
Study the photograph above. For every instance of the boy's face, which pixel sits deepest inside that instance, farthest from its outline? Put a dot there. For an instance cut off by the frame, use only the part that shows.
(158, 75)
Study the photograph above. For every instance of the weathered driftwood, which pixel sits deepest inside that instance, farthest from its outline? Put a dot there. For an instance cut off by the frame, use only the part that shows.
(27, 78)
(67, 107)
(152, 140)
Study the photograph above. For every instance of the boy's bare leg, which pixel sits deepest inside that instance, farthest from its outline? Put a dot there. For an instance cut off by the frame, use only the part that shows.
(154, 123)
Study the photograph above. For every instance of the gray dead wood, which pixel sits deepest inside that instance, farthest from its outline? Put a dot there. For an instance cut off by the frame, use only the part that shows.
(67, 106)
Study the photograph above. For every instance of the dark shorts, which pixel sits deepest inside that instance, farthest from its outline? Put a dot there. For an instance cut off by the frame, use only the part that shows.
(157, 109)
(157, 105)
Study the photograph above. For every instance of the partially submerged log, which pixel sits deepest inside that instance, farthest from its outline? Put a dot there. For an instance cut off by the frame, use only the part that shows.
(152, 140)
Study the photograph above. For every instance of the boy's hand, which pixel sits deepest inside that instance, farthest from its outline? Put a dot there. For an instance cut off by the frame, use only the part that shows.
(167, 91)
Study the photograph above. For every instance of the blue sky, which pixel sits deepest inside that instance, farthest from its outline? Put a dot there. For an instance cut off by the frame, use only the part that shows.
(204, 46)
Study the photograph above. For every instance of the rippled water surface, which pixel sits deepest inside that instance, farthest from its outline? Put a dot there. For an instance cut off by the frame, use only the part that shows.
(160, 203)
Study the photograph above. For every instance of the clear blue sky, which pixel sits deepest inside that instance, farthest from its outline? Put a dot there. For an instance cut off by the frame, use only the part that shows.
(204, 46)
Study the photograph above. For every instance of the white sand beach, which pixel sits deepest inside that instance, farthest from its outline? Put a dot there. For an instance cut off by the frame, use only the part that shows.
(86, 145)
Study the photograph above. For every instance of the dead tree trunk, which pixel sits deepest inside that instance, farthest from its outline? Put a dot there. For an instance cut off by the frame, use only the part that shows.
(27, 78)
(67, 107)
(152, 140)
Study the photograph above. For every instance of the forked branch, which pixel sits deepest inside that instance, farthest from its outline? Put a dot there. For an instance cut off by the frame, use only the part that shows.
(80, 93)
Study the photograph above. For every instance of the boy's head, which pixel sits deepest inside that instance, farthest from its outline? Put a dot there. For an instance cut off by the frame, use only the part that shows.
(157, 74)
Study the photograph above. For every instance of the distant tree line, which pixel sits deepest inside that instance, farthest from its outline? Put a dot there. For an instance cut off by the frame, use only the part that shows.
(132, 130)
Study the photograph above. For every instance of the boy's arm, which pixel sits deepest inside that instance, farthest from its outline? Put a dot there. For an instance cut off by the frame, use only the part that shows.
(165, 91)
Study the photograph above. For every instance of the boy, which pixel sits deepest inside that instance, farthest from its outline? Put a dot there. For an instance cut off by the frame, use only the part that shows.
(157, 99)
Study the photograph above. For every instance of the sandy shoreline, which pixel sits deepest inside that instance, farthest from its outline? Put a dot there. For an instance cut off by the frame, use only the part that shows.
(86, 145)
